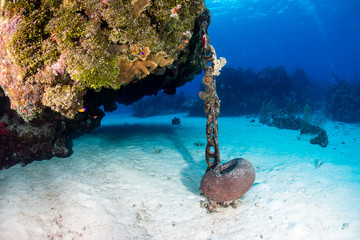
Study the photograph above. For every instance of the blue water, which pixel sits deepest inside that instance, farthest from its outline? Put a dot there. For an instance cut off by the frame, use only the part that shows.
(320, 36)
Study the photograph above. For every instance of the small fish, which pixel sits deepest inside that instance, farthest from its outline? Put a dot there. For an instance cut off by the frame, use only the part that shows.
(82, 110)
(94, 117)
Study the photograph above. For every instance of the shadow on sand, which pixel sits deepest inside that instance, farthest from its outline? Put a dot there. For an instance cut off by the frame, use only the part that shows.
(191, 172)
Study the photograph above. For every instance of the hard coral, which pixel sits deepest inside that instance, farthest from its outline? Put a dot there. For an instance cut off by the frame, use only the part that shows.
(63, 99)
(82, 45)
(42, 138)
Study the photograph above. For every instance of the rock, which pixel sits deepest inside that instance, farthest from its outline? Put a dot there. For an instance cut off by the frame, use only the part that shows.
(52, 53)
(280, 119)
(318, 134)
(229, 181)
(60, 57)
(42, 138)
(175, 121)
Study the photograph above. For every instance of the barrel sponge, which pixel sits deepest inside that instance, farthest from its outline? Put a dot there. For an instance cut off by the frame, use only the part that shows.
(139, 6)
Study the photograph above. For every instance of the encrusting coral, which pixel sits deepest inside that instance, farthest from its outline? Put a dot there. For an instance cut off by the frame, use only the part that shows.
(52, 52)
(61, 60)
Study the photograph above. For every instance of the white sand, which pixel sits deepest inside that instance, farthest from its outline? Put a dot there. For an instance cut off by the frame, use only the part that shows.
(139, 179)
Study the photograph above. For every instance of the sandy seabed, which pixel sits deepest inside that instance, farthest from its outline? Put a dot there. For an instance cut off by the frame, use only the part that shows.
(139, 179)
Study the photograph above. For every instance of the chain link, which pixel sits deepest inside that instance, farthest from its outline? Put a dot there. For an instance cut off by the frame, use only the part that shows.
(211, 99)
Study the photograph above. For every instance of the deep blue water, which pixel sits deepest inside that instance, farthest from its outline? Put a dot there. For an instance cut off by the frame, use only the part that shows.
(320, 36)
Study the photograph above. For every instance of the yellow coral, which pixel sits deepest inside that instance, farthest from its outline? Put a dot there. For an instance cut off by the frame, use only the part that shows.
(136, 68)
(163, 59)
(135, 50)
(139, 6)
(141, 67)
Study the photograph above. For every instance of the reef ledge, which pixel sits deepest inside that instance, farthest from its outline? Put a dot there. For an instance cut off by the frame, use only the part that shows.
(61, 60)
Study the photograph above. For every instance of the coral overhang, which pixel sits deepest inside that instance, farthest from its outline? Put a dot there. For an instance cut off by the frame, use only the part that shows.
(58, 58)
(52, 52)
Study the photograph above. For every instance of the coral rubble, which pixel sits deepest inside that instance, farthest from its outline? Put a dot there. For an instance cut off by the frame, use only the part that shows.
(57, 57)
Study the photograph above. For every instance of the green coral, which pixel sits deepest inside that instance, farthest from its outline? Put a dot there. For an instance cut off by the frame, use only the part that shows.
(64, 99)
(102, 73)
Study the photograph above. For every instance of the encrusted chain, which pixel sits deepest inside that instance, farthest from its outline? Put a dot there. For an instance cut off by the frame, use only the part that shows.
(212, 102)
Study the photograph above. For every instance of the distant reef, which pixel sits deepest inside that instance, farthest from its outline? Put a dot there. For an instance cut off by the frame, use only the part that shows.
(61, 60)
(343, 101)
(162, 104)
(245, 91)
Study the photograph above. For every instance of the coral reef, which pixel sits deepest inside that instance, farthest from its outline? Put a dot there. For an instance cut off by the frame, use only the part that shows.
(55, 51)
(283, 120)
(244, 91)
(61, 60)
(280, 119)
(317, 134)
(343, 101)
(23, 142)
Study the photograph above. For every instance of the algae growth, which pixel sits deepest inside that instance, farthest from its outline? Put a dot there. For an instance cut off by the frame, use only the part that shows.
(53, 51)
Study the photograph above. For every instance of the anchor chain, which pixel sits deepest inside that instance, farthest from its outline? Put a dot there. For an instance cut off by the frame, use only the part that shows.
(210, 97)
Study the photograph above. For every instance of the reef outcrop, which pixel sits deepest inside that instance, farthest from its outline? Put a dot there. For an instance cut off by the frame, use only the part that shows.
(58, 58)
(42, 138)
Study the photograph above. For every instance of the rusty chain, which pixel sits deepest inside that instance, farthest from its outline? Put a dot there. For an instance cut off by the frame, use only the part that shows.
(211, 99)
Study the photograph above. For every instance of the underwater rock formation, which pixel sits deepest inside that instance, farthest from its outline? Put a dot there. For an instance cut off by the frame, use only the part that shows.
(317, 134)
(59, 57)
(53, 52)
(280, 119)
(42, 138)
(284, 120)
